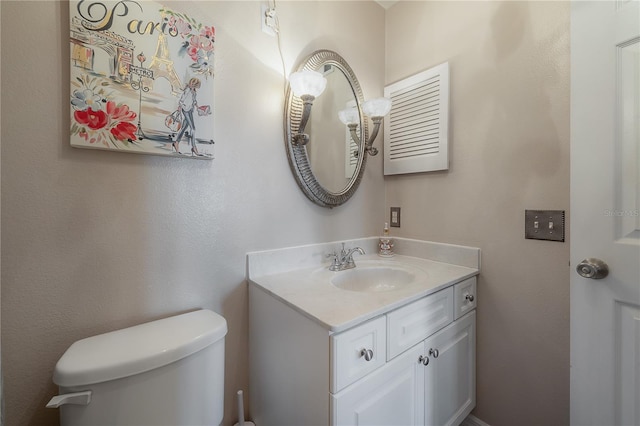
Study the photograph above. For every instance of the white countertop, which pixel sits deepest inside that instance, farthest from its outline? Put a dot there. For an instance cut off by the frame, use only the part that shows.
(308, 287)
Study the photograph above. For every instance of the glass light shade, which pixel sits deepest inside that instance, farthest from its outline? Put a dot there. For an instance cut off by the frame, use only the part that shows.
(307, 82)
(349, 116)
(378, 107)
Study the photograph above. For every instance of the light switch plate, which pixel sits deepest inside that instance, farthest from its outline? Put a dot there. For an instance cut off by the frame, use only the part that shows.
(394, 217)
(544, 225)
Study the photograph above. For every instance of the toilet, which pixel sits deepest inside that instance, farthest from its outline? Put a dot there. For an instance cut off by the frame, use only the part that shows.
(165, 372)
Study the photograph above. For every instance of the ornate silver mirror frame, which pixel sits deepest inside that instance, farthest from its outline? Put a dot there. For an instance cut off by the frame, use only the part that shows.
(297, 154)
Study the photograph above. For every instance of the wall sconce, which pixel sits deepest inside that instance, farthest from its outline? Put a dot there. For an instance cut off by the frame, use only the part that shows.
(376, 109)
(307, 85)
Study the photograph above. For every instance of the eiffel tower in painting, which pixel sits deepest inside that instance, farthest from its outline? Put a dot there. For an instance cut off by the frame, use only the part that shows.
(162, 66)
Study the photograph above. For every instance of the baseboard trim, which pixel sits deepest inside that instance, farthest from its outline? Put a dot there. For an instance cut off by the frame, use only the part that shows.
(473, 421)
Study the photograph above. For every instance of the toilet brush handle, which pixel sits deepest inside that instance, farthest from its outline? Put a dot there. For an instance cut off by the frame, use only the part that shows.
(240, 409)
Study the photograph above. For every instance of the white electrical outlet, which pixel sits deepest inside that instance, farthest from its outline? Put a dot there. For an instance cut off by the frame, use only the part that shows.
(268, 20)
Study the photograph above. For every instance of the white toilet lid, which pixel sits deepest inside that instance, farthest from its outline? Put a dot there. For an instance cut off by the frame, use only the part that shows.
(137, 349)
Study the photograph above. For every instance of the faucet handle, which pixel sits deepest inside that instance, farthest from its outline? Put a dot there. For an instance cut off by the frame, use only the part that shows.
(335, 265)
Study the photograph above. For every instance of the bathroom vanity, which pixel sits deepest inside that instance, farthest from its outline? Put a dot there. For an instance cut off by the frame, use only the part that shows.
(389, 342)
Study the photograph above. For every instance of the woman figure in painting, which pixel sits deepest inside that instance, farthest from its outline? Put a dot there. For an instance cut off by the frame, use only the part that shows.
(187, 104)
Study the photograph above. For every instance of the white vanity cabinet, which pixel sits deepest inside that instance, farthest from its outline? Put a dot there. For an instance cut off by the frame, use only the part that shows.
(432, 383)
(411, 365)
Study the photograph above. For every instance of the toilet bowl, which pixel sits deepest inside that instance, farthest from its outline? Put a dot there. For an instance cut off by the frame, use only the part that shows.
(165, 372)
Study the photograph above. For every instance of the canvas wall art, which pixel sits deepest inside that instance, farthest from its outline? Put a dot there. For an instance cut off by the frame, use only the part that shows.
(141, 79)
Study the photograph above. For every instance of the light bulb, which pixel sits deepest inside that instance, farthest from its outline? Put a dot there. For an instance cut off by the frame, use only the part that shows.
(307, 82)
(378, 107)
(349, 116)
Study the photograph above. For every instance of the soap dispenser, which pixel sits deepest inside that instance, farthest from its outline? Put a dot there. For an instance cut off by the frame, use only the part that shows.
(385, 245)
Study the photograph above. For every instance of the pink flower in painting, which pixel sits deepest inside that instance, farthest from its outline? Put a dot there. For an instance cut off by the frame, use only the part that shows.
(119, 112)
(120, 117)
(124, 131)
(92, 119)
(193, 52)
(201, 42)
(183, 27)
(208, 32)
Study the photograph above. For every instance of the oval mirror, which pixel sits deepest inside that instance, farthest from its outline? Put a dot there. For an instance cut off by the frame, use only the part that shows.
(329, 167)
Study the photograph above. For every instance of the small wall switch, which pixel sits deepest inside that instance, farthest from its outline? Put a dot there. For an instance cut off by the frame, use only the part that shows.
(544, 225)
(394, 219)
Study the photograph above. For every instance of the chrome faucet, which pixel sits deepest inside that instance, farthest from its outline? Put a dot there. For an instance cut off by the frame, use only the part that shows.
(344, 260)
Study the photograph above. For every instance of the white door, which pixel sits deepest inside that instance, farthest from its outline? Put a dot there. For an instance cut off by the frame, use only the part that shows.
(605, 217)
(391, 395)
(450, 376)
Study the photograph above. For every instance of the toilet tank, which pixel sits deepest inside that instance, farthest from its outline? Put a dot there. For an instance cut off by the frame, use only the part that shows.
(165, 372)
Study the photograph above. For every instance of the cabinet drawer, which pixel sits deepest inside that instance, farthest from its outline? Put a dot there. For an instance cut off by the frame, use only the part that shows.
(464, 294)
(415, 322)
(351, 349)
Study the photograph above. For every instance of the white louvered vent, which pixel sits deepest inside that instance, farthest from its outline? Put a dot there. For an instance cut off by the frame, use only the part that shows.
(416, 131)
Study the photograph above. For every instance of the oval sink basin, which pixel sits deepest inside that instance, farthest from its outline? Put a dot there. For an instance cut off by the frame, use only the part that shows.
(373, 278)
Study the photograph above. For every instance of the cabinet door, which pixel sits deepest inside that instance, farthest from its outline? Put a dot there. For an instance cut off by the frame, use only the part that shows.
(391, 395)
(450, 377)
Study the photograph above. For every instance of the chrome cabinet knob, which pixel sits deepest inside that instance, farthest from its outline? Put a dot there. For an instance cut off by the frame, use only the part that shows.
(434, 353)
(424, 360)
(593, 268)
(367, 354)
(469, 297)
